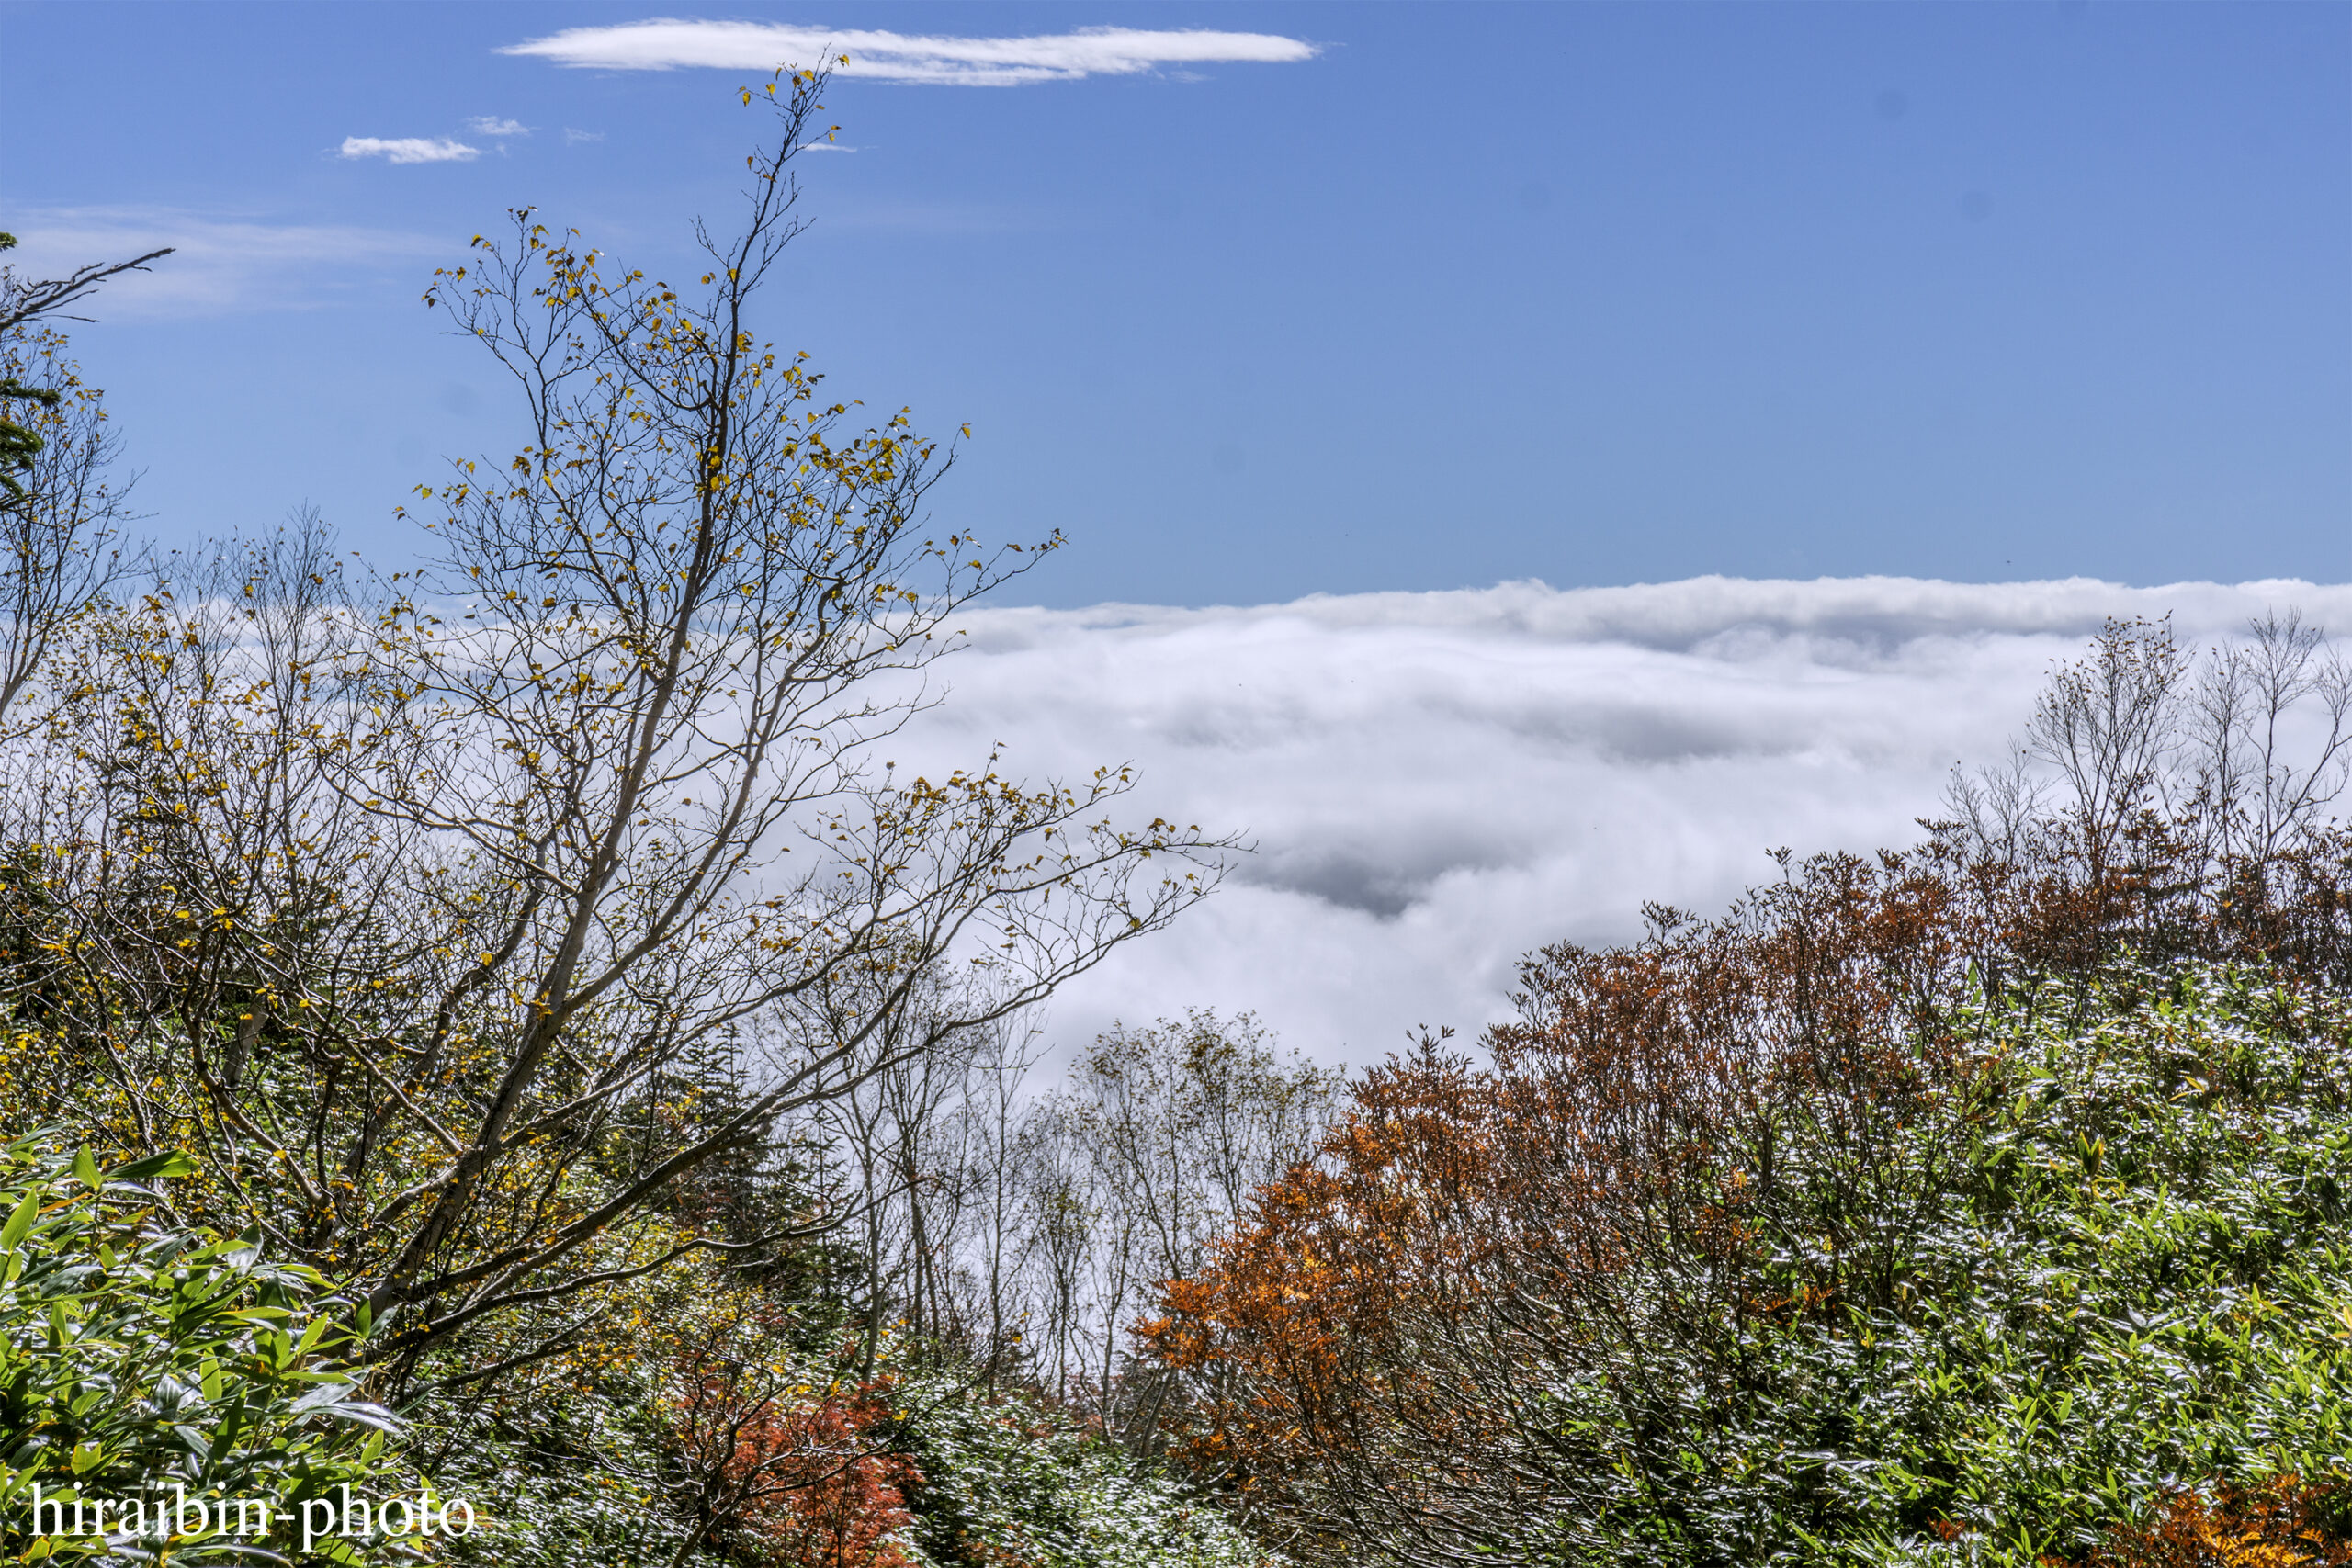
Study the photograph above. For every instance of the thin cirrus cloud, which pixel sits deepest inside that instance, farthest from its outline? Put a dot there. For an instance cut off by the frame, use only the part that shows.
(410, 149)
(1437, 783)
(666, 43)
(491, 125)
(220, 263)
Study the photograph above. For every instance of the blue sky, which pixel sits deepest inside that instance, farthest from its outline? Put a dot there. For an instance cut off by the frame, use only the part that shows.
(1598, 294)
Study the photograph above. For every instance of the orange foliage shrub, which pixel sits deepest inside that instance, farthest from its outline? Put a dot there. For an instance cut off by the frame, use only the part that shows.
(2282, 1525)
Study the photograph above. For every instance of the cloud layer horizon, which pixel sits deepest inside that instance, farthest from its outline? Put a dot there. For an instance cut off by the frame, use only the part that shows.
(1436, 783)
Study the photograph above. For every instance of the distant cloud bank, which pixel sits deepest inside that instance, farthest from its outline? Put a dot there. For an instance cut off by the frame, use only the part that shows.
(1437, 783)
(919, 59)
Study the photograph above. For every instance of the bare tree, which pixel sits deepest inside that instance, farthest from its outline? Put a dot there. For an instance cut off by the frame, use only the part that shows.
(2265, 786)
(1996, 811)
(634, 697)
(1022, 1235)
(1063, 1207)
(23, 303)
(60, 524)
(2243, 750)
(26, 300)
(905, 1132)
(2181, 805)
(2106, 727)
(1179, 1125)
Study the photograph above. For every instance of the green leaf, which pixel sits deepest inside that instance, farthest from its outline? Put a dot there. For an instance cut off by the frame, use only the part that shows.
(85, 1169)
(319, 1397)
(172, 1162)
(20, 1222)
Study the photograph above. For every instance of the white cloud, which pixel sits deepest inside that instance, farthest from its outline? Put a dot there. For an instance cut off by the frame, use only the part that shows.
(571, 137)
(825, 147)
(665, 43)
(1437, 783)
(491, 125)
(410, 149)
(220, 263)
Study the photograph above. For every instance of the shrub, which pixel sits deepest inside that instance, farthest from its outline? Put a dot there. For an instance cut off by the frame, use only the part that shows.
(143, 1360)
(1009, 1484)
(1986, 1284)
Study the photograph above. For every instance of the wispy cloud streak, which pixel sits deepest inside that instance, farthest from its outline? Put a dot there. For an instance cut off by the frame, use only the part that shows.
(925, 59)
(410, 149)
(220, 263)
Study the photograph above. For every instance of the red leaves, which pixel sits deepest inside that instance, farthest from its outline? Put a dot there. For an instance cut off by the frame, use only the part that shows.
(793, 1473)
(825, 1495)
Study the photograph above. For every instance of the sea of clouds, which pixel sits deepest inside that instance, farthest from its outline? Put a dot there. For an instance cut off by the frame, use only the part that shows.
(1436, 783)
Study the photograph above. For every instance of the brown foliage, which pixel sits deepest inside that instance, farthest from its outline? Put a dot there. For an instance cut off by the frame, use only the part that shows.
(1474, 1236)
